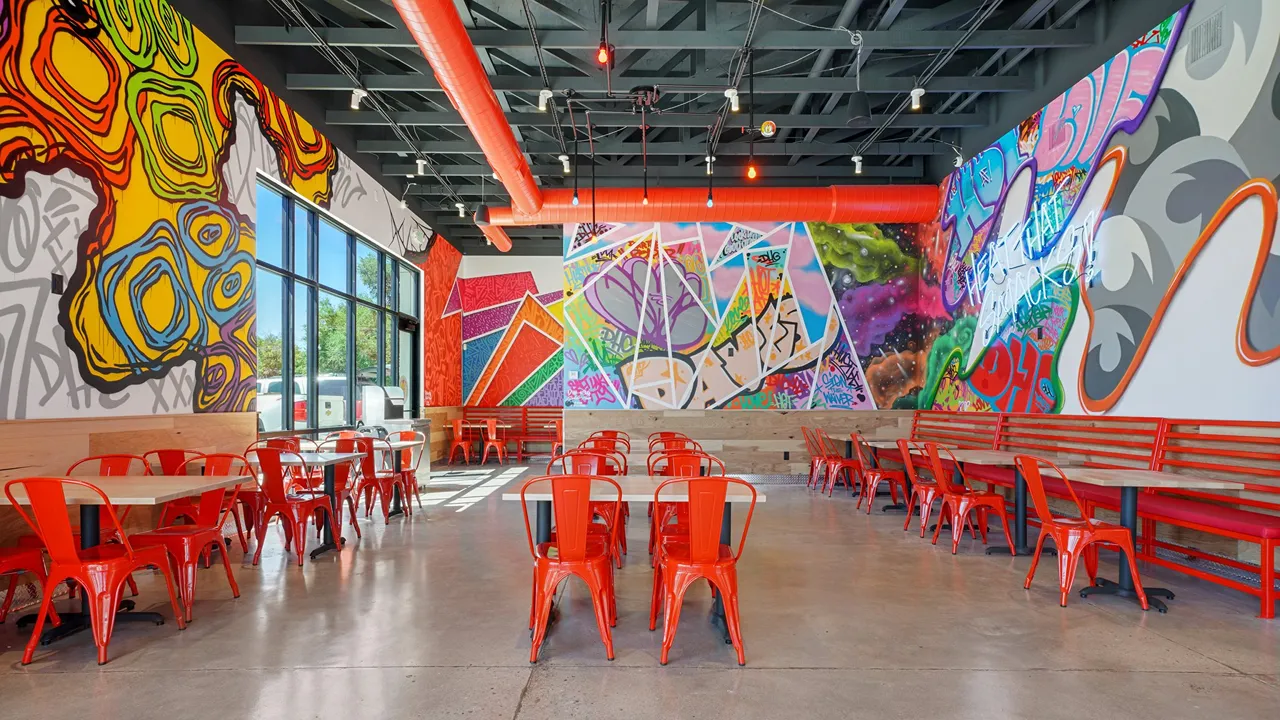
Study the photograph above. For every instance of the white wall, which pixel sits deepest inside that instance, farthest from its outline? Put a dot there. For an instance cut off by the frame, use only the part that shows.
(548, 271)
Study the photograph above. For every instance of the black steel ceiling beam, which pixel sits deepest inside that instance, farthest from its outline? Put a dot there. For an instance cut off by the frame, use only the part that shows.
(811, 149)
(653, 120)
(656, 173)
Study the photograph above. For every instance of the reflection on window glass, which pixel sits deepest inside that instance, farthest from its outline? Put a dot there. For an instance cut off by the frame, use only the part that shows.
(270, 324)
(367, 327)
(408, 291)
(366, 272)
(303, 339)
(389, 283)
(331, 362)
(335, 256)
(270, 227)
(389, 351)
(301, 236)
(405, 368)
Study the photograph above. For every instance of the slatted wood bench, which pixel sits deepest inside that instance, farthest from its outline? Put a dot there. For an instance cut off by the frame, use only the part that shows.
(539, 427)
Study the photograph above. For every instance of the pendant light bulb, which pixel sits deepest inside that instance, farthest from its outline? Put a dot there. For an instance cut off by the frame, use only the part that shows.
(710, 200)
(603, 53)
(645, 200)
(575, 198)
(751, 172)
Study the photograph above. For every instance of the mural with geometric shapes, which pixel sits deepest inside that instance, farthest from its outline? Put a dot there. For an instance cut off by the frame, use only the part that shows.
(725, 315)
(129, 151)
(512, 335)
(1116, 252)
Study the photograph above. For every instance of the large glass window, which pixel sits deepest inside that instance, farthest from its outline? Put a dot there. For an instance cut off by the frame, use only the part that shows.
(336, 301)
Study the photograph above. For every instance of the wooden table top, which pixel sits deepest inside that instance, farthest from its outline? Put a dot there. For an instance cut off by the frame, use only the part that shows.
(638, 488)
(994, 458)
(1146, 479)
(893, 444)
(138, 489)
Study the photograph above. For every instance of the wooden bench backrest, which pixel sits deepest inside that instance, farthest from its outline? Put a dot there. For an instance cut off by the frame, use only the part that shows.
(1244, 451)
(1082, 440)
(972, 430)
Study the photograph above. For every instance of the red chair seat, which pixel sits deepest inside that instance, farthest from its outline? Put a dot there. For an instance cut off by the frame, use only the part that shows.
(1244, 522)
(597, 546)
(676, 549)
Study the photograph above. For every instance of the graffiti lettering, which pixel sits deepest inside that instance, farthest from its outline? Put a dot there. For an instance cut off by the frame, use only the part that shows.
(1016, 377)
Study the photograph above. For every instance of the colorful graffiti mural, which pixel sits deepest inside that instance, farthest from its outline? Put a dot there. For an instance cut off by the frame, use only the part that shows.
(722, 315)
(441, 332)
(1120, 243)
(512, 337)
(129, 147)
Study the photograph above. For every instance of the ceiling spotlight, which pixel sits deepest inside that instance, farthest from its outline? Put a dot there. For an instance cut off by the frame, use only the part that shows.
(357, 95)
(543, 96)
(710, 160)
(859, 107)
(482, 215)
(422, 166)
(959, 160)
(916, 94)
(603, 53)
(732, 94)
(462, 209)
(857, 164)
(564, 163)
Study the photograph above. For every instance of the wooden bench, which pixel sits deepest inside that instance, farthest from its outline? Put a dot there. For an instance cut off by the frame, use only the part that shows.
(527, 424)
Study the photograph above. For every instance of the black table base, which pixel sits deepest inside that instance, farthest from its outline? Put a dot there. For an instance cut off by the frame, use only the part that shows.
(1125, 587)
(1020, 545)
(1107, 587)
(328, 542)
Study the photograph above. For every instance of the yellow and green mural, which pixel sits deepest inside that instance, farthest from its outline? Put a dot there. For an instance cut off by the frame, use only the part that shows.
(129, 149)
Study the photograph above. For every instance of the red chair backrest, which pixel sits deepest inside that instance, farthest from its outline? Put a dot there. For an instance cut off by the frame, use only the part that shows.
(367, 446)
(617, 435)
(666, 435)
(940, 476)
(690, 464)
(410, 457)
(905, 447)
(52, 523)
(343, 435)
(270, 462)
(169, 459)
(1030, 467)
(706, 514)
(491, 428)
(342, 471)
(571, 507)
(113, 465)
(459, 430)
(859, 459)
(213, 511)
(581, 461)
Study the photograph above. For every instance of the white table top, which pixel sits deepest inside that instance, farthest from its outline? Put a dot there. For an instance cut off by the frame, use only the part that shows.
(312, 459)
(138, 489)
(1146, 479)
(638, 488)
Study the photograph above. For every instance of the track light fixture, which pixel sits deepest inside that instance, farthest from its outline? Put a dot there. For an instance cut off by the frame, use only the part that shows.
(357, 95)
(916, 94)
(543, 96)
(709, 160)
(959, 160)
(564, 163)
(857, 164)
(462, 209)
(422, 166)
(732, 94)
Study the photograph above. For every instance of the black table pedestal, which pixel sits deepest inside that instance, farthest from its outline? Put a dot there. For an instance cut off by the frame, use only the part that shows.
(717, 606)
(328, 542)
(1019, 522)
(396, 507)
(1125, 588)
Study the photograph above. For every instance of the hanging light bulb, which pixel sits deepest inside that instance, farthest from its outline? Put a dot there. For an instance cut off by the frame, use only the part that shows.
(857, 164)
(403, 205)
(543, 96)
(751, 172)
(732, 94)
(916, 94)
(357, 95)
(575, 198)
(564, 163)
(645, 200)
(603, 53)
(710, 200)
(462, 209)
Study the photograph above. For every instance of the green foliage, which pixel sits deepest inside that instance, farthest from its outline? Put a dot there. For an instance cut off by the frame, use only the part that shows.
(862, 249)
(959, 337)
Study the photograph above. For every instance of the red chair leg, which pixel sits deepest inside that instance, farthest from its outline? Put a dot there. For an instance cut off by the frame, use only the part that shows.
(1067, 561)
(677, 585)
(46, 604)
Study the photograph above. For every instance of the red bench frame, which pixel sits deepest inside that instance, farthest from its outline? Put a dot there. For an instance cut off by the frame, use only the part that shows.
(525, 424)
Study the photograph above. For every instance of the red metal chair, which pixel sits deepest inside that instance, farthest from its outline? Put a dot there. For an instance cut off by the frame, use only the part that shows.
(960, 501)
(618, 435)
(686, 463)
(582, 461)
(188, 543)
(923, 492)
(872, 477)
(700, 555)
(14, 562)
(557, 446)
(817, 457)
(379, 480)
(410, 459)
(666, 435)
(101, 571)
(573, 551)
(345, 486)
(1073, 537)
(493, 441)
(461, 441)
(171, 461)
(343, 435)
(612, 446)
(294, 510)
(837, 466)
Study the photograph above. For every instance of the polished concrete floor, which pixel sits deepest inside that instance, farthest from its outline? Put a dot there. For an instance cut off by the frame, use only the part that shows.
(844, 615)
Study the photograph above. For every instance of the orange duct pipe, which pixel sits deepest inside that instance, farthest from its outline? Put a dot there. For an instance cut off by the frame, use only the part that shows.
(834, 204)
(496, 236)
(438, 30)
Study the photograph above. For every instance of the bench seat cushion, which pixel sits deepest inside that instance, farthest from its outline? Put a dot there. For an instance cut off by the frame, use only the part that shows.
(1177, 509)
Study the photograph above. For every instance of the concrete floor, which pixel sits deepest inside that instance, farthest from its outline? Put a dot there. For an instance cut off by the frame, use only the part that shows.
(844, 615)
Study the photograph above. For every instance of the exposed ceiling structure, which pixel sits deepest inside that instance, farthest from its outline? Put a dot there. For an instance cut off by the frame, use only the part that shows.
(792, 62)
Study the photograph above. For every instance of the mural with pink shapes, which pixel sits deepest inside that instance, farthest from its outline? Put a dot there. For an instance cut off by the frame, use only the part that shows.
(789, 316)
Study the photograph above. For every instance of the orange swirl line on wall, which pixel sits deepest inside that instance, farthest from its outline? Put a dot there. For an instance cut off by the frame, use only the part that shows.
(1249, 355)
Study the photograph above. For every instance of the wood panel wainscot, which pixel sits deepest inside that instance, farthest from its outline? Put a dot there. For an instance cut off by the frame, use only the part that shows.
(749, 441)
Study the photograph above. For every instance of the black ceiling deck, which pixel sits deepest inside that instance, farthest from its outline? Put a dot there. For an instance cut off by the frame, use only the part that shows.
(686, 52)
